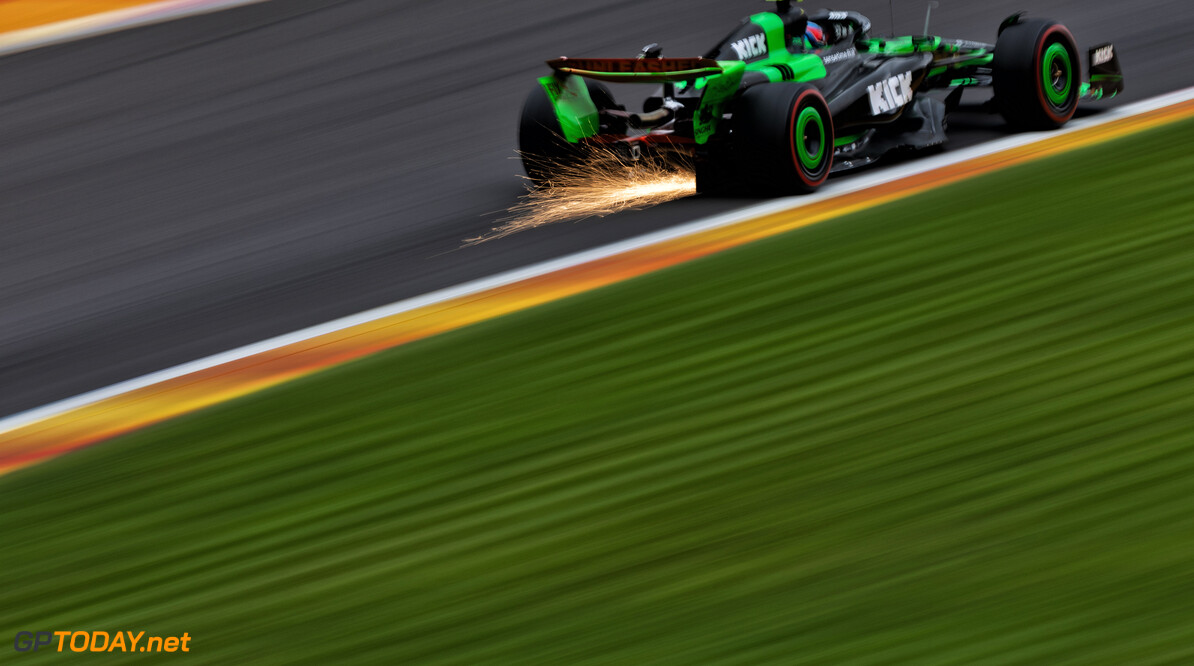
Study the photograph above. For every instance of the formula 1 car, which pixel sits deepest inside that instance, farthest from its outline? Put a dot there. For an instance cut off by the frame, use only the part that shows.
(788, 97)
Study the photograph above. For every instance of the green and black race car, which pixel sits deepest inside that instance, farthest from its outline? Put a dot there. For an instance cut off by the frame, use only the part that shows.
(788, 97)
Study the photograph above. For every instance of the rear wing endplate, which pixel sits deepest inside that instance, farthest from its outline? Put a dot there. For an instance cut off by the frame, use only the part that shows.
(637, 70)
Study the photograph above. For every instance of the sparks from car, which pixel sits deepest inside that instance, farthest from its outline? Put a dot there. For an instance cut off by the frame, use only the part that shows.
(599, 184)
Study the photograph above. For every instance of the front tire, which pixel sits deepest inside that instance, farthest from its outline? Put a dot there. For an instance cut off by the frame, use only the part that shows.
(781, 138)
(1038, 75)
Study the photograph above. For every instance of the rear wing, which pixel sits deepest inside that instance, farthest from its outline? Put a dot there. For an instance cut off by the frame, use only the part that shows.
(637, 70)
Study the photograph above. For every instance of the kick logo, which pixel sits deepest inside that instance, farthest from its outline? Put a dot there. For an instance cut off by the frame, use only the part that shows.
(750, 47)
(890, 95)
(1103, 55)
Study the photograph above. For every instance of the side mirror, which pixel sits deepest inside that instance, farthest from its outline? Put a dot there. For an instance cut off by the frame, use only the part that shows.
(1008, 22)
(651, 51)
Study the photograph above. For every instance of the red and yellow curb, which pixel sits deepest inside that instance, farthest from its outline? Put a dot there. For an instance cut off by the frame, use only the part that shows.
(24, 14)
(32, 24)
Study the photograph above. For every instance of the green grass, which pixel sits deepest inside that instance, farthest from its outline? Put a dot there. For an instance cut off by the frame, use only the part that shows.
(957, 430)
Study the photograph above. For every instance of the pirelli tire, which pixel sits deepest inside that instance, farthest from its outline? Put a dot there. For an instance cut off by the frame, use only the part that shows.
(781, 138)
(541, 142)
(1037, 75)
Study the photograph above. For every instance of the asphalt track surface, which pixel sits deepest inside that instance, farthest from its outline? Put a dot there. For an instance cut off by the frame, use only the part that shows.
(179, 190)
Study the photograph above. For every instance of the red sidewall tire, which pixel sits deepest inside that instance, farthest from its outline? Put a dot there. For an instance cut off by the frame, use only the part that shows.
(768, 137)
(811, 96)
(1022, 89)
(1038, 67)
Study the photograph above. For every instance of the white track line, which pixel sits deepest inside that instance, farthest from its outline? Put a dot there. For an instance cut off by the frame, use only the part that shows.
(108, 22)
(832, 189)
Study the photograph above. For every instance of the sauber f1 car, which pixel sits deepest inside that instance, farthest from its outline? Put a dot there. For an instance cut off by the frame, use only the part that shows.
(788, 98)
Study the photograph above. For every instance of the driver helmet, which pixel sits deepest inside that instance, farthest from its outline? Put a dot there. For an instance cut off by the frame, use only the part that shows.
(814, 35)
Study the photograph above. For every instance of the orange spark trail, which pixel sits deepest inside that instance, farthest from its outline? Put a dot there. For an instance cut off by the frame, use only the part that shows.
(599, 184)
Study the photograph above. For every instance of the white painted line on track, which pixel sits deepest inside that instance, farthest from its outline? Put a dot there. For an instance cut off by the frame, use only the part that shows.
(84, 27)
(832, 189)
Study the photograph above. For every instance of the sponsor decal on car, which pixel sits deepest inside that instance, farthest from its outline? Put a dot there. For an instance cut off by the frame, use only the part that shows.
(838, 57)
(968, 45)
(1102, 55)
(632, 65)
(750, 47)
(891, 94)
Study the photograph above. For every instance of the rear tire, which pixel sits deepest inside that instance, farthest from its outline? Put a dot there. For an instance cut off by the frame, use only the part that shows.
(541, 141)
(781, 138)
(1038, 75)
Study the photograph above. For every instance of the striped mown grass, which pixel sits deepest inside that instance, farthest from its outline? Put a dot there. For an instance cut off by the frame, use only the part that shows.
(956, 430)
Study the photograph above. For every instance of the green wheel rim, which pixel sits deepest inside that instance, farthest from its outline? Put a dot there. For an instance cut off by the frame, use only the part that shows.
(810, 138)
(1057, 74)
